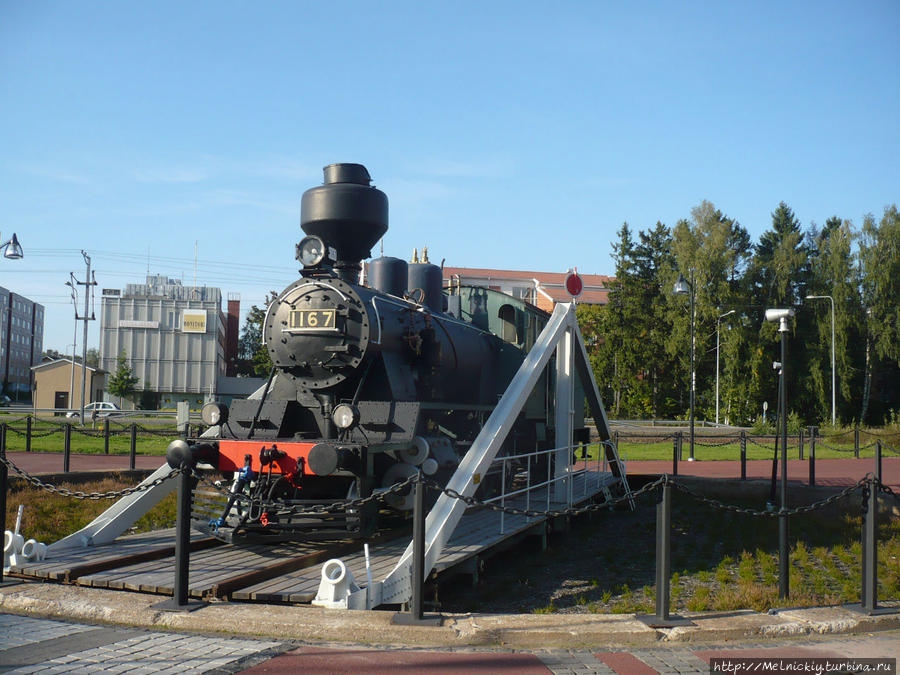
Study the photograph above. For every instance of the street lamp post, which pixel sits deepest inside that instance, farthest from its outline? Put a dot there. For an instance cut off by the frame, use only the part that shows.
(682, 287)
(719, 318)
(833, 378)
(782, 316)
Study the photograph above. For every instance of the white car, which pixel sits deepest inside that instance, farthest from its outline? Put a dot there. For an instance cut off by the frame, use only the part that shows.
(97, 409)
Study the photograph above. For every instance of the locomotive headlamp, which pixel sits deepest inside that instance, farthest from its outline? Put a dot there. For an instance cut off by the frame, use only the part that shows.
(312, 251)
(214, 413)
(345, 416)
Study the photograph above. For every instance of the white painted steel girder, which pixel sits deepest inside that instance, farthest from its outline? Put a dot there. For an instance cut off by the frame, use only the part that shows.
(561, 333)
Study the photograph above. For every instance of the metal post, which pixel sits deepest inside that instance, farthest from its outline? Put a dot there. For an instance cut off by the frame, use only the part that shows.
(869, 599)
(28, 434)
(67, 448)
(179, 600)
(801, 444)
(416, 615)
(663, 564)
(812, 455)
(183, 539)
(676, 451)
(878, 460)
(663, 560)
(783, 562)
(133, 457)
(693, 371)
(743, 455)
(106, 436)
(856, 442)
(4, 478)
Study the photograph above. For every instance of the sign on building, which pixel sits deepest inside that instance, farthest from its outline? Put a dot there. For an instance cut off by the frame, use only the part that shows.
(129, 323)
(193, 322)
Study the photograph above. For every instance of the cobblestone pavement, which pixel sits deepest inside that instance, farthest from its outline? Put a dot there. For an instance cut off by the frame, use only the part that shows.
(31, 645)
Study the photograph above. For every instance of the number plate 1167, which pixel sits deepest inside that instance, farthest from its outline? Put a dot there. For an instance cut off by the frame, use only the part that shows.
(313, 319)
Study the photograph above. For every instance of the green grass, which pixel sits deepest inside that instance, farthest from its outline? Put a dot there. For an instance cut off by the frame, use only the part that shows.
(704, 450)
(49, 436)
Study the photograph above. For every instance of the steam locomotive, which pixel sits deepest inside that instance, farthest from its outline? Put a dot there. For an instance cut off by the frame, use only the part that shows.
(370, 383)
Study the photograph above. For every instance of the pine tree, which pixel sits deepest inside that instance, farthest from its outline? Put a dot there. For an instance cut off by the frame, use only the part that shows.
(123, 382)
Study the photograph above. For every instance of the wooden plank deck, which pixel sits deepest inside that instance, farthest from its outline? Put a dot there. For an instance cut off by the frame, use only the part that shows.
(66, 565)
(284, 572)
(478, 531)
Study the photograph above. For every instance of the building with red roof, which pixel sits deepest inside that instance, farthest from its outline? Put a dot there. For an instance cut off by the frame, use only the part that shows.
(543, 289)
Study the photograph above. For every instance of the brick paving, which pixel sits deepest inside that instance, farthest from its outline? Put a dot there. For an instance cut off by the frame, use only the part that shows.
(32, 645)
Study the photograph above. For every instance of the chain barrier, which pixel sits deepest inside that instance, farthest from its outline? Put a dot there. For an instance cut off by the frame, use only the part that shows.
(753, 441)
(886, 490)
(8, 422)
(822, 444)
(33, 434)
(126, 429)
(729, 441)
(78, 494)
(311, 510)
(715, 503)
(532, 513)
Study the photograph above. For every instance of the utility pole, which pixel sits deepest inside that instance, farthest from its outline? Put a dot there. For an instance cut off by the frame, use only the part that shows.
(89, 280)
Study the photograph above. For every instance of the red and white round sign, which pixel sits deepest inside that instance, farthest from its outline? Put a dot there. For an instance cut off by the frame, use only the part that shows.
(574, 284)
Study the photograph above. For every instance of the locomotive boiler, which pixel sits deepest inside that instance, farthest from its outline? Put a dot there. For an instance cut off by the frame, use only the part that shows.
(371, 382)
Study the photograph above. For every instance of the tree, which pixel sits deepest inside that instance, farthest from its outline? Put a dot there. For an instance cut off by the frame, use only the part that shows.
(123, 382)
(879, 253)
(93, 357)
(833, 272)
(253, 356)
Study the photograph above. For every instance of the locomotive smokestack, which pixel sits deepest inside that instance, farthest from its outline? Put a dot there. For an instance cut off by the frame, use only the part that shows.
(348, 213)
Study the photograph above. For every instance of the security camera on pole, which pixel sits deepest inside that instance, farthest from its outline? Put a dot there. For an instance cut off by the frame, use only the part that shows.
(782, 316)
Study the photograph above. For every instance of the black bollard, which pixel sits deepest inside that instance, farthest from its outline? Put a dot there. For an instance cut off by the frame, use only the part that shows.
(416, 617)
(878, 460)
(869, 596)
(812, 455)
(801, 445)
(4, 478)
(106, 436)
(676, 451)
(662, 618)
(28, 434)
(743, 455)
(856, 442)
(133, 456)
(179, 600)
(67, 448)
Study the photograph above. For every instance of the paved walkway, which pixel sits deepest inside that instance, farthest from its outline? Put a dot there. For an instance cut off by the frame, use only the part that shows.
(52, 462)
(829, 472)
(36, 645)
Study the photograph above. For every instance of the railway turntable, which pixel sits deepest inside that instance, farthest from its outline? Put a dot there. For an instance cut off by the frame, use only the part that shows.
(373, 386)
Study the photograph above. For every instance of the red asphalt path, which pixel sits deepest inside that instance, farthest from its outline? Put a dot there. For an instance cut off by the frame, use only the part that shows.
(52, 462)
(315, 660)
(829, 472)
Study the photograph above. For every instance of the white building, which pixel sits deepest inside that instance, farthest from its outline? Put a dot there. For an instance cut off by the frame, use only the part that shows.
(173, 337)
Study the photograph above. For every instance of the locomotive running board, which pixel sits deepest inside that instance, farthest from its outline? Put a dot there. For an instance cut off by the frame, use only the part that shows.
(562, 335)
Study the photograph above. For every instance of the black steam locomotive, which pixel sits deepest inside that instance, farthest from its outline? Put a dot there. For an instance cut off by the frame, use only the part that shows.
(370, 384)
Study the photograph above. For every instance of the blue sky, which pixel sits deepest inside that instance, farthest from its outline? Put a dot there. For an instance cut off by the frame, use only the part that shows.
(506, 134)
